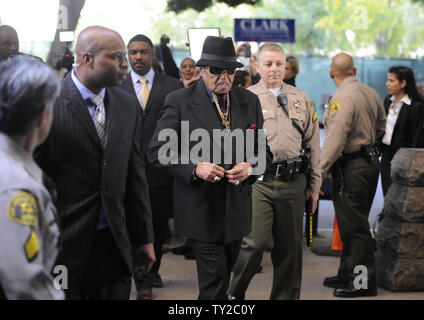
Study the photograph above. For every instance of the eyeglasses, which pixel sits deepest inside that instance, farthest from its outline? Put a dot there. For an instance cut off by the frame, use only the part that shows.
(117, 56)
(219, 71)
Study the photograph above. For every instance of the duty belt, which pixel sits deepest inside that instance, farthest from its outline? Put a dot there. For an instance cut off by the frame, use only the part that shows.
(288, 170)
(369, 152)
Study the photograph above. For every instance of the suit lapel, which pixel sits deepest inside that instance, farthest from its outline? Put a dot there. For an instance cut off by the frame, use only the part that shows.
(203, 109)
(78, 109)
(238, 109)
(403, 114)
(112, 117)
(156, 90)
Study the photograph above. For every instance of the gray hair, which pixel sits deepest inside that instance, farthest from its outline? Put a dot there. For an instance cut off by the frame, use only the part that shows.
(26, 87)
(269, 46)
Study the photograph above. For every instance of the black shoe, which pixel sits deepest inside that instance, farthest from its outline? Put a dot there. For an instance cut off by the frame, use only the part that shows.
(157, 280)
(350, 292)
(189, 256)
(182, 250)
(334, 282)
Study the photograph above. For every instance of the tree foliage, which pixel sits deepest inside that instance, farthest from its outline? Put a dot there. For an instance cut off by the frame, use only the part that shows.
(200, 5)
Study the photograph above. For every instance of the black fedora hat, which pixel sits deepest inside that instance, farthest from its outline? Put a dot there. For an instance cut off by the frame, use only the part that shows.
(219, 52)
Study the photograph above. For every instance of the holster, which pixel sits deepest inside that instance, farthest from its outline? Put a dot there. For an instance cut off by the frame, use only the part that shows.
(371, 152)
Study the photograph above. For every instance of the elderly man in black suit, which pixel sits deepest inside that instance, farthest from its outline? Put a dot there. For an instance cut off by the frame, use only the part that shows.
(94, 155)
(212, 203)
(150, 88)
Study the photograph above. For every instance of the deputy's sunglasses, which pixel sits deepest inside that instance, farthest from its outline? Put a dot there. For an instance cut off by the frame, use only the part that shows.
(219, 71)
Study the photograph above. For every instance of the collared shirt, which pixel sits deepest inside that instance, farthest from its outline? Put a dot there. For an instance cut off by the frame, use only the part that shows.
(210, 94)
(354, 117)
(18, 154)
(135, 77)
(86, 94)
(283, 138)
(392, 117)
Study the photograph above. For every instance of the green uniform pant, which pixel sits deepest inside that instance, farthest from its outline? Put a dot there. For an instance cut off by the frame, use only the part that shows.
(277, 222)
(352, 207)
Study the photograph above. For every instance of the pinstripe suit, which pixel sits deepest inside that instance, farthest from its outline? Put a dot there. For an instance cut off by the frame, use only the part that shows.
(89, 178)
(160, 183)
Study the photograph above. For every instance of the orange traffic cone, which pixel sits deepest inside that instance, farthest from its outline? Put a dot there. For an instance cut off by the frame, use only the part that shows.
(336, 244)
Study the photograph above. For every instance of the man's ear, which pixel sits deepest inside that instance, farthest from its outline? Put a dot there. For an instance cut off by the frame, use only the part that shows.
(354, 71)
(331, 74)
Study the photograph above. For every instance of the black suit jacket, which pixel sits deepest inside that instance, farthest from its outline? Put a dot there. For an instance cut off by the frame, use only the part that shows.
(408, 130)
(88, 177)
(212, 212)
(162, 85)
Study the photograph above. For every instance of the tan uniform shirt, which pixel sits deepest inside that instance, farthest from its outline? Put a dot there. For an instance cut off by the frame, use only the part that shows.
(354, 117)
(283, 138)
(30, 235)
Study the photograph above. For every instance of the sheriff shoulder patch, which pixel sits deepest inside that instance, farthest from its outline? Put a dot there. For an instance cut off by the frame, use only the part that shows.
(334, 107)
(311, 104)
(23, 209)
(32, 247)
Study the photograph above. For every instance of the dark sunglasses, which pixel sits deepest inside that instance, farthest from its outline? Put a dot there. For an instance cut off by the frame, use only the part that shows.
(219, 71)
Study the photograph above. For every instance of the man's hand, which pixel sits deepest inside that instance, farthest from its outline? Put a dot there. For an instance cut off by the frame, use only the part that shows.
(210, 172)
(239, 172)
(145, 258)
(314, 195)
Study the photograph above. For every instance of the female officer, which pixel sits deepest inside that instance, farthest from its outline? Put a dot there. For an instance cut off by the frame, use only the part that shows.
(29, 231)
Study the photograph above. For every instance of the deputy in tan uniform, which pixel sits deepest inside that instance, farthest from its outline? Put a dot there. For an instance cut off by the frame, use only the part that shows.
(279, 196)
(29, 233)
(354, 121)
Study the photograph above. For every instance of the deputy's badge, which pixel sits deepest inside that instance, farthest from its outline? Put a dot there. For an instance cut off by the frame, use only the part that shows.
(315, 117)
(32, 246)
(23, 209)
(334, 107)
(297, 105)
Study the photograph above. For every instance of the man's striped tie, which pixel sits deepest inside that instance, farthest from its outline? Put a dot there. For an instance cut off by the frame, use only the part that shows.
(100, 118)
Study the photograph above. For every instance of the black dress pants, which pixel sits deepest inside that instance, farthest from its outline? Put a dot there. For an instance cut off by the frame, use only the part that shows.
(214, 264)
(106, 277)
(161, 203)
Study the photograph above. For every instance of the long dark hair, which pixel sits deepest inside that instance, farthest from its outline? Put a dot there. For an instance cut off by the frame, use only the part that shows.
(407, 74)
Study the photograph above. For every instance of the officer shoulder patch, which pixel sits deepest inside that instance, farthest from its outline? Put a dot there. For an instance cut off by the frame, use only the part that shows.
(32, 246)
(23, 209)
(334, 107)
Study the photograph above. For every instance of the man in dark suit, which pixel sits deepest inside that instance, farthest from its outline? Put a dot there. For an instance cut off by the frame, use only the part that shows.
(212, 203)
(144, 83)
(9, 42)
(95, 157)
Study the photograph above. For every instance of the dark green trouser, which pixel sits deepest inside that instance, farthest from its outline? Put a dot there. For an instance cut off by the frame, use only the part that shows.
(352, 210)
(277, 220)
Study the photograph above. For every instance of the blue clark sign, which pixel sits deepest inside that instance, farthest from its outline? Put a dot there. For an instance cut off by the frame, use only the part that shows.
(262, 30)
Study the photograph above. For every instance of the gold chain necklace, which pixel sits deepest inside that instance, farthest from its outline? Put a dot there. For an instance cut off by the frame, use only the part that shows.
(225, 117)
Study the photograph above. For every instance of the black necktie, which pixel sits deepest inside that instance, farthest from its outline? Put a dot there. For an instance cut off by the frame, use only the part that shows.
(222, 103)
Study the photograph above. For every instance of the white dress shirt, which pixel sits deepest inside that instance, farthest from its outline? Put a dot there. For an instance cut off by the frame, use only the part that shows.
(392, 117)
(137, 84)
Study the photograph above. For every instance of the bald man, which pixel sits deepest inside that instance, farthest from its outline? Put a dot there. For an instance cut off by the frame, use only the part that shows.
(94, 155)
(9, 42)
(354, 121)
